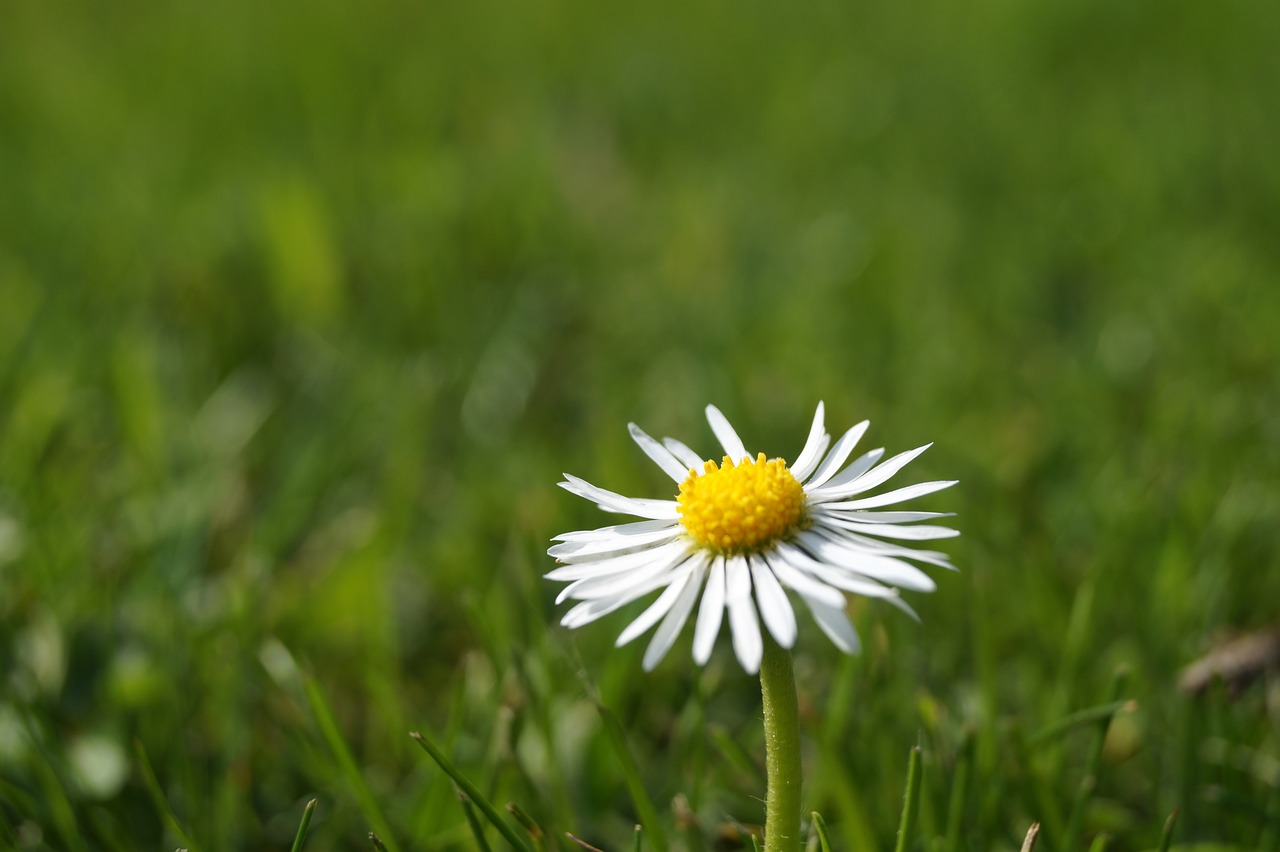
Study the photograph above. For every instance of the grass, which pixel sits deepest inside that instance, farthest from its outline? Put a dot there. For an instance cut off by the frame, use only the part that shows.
(303, 309)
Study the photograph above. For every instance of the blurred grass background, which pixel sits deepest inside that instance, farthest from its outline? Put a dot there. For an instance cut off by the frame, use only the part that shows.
(305, 307)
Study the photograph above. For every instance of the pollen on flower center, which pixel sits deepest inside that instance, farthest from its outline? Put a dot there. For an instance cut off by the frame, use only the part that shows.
(740, 507)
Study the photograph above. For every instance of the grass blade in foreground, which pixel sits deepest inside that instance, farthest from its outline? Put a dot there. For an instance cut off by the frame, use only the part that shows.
(161, 803)
(735, 755)
(1040, 799)
(1103, 712)
(473, 793)
(536, 834)
(477, 830)
(820, 828)
(347, 763)
(1166, 836)
(584, 844)
(639, 796)
(302, 827)
(1084, 793)
(957, 806)
(910, 801)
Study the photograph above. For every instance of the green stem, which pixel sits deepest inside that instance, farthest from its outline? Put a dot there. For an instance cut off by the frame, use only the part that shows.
(782, 749)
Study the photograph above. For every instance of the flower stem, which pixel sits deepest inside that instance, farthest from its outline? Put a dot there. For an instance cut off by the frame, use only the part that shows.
(782, 749)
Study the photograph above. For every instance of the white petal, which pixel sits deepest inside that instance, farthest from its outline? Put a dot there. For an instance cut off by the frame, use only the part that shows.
(588, 611)
(661, 455)
(898, 602)
(813, 447)
(775, 609)
(710, 614)
(616, 564)
(579, 551)
(877, 547)
(684, 455)
(611, 502)
(838, 454)
(747, 643)
(877, 475)
(665, 636)
(604, 585)
(836, 577)
(900, 495)
(881, 517)
(617, 529)
(883, 568)
(923, 532)
(860, 466)
(599, 588)
(728, 438)
(802, 583)
(657, 509)
(658, 608)
(835, 623)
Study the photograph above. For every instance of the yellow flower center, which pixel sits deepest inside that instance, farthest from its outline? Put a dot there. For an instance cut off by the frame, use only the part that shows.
(741, 507)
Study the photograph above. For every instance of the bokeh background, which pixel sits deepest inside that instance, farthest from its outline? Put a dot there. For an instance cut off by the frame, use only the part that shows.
(304, 308)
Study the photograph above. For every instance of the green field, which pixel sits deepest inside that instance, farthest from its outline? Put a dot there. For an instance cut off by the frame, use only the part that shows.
(304, 308)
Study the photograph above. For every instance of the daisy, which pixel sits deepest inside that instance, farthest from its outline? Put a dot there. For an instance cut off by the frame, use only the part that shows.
(743, 535)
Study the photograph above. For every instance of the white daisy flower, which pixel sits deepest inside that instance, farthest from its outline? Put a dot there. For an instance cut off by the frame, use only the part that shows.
(745, 533)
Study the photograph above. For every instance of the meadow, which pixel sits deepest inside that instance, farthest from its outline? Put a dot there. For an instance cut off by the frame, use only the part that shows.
(305, 308)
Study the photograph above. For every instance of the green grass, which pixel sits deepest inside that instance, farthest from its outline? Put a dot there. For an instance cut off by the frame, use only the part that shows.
(305, 307)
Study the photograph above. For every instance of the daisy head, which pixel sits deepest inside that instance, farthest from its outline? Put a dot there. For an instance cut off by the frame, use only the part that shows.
(744, 535)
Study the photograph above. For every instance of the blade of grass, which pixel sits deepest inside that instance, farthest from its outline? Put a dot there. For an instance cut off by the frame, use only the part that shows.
(687, 823)
(1084, 794)
(631, 772)
(477, 830)
(1040, 799)
(1074, 642)
(1269, 839)
(584, 844)
(840, 701)
(820, 828)
(635, 847)
(855, 825)
(473, 793)
(8, 831)
(436, 802)
(539, 704)
(1029, 842)
(1079, 719)
(1075, 819)
(1099, 843)
(698, 748)
(347, 763)
(957, 807)
(535, 831)
(157, 797)
(61, 809)
(107, 830)
(302, 826)
(736, 756)
(910, 801)
(1166, 836)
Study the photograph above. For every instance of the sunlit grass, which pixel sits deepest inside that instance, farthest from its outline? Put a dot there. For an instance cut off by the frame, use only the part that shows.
(303, 311)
